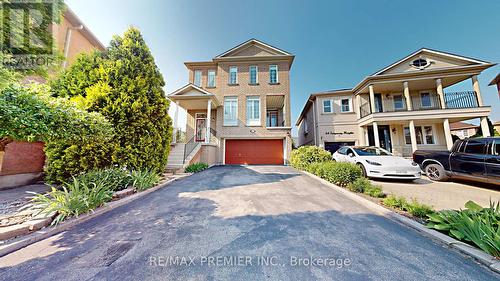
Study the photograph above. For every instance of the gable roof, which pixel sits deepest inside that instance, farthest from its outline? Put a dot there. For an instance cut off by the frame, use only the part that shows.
(313, 96)
(495, 80)
(188, 87)
(257, 43)
(434, 52)
(462, 125)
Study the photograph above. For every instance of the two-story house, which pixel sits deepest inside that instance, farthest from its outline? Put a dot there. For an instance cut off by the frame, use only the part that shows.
(238, 108)
(402, 108)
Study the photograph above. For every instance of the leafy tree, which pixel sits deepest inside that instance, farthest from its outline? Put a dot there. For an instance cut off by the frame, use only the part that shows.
(493, 132)
(125, 85)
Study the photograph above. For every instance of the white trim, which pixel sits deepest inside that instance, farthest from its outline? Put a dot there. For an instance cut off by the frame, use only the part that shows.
(232, 98)
(253, 122)
(431, 93)
(323, 106)
(424, 140)
(256, 74)
(224, 153)
(432, 52)
(236, 80)
(208, 78)
(277, 79)
(349, 103)
(285, 143)
(190, 86)
(255, 41)
(194, 77)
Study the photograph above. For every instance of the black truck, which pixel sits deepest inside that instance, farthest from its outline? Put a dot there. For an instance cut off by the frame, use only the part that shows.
(476, 159)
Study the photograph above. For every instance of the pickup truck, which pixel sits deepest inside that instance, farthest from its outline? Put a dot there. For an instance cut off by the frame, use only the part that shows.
(476, 159)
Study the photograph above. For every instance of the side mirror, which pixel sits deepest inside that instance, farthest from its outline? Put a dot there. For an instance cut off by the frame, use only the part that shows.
(351, 155)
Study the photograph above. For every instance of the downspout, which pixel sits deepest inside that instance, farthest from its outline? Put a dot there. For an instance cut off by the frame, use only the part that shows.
(68, 41)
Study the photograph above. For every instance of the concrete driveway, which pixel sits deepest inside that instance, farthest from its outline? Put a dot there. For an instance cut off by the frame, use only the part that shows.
(442, 195)
(241, 223)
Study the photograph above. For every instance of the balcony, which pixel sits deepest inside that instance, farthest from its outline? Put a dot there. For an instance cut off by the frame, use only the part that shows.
(395, 103)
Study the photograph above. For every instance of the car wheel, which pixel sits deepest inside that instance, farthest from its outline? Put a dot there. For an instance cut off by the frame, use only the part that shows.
(363, 170)
(435, 172)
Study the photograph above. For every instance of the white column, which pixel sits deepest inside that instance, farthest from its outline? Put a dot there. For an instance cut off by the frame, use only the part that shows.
(361, 135)
(357, 106)
(475, 86)
(413, 136)
(176, 120)
(447, 133)
(484, 127)
(372, 98)
(209, 118)
(439, 90)
(407, 96)
(375, 134)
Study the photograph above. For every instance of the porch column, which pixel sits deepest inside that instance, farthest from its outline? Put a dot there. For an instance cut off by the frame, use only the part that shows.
(439, 90)
(375, 134)
(361, 135)
(475, 86)
(357, 106)
(413, 136)
(209, 118)
(176, 120)
(407, 96)
(484, 127)
(372, 98)
(447, 133)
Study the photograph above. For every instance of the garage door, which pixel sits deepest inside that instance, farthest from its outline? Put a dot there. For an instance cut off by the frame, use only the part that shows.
(254, 152)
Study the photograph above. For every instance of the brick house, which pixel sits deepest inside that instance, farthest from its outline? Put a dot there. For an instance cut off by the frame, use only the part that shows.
(238, 108)
(22, 162)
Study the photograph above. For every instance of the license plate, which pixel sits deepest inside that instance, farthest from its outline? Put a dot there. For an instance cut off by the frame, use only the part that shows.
(400, 172)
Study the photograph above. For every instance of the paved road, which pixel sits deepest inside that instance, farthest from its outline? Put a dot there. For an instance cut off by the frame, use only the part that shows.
(265, 218)
(443, 195)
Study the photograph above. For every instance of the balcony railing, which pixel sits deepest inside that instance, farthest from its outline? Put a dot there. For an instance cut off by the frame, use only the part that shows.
(365, 109)
(466, 99)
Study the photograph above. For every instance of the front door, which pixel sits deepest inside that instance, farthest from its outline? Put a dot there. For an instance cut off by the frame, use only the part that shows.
(384, 137)
(201, 127)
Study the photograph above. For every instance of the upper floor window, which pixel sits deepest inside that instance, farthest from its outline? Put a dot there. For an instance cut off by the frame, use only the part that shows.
(211, 78)
(327, 106)
(345, 105)
(425, 99)
(398, 102)
(253, 111)
(253, 74)
(273, 74)
(197, 78)
(230, 111)
(233, 75)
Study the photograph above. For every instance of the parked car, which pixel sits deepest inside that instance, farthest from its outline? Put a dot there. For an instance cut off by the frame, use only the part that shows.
(475, 159)
(376, 162)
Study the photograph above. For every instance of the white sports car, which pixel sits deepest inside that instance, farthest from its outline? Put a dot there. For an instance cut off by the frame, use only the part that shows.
(378, 163)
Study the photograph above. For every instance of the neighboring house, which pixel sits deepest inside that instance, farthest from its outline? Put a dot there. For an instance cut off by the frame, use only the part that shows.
(496, 125)
(238, 108)
(496, 81)
(22, 162)
(403, 107)
(463, 130)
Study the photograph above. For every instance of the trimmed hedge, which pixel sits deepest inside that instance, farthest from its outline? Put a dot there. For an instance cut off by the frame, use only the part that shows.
(196, 167)
(302, 157)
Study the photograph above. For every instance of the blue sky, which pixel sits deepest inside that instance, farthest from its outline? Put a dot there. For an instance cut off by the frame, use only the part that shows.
(336, 43)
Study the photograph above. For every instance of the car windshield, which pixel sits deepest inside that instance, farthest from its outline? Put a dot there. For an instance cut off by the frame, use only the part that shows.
(371, 151)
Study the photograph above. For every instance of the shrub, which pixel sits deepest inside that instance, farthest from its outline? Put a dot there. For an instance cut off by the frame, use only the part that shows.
(360, 185)
(123, 84)
(476, 225)
(75, 198)
(374, 191)
(302, 157)
(196, 167)
(114, 179)
(340, 173)
(394, 202)
(418, 209)
(144, 179)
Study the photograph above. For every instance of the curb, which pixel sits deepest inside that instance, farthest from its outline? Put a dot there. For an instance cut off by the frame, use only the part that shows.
(23, 241)
(478, 255)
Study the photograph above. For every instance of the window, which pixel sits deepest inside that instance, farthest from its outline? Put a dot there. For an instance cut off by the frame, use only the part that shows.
(233, 75)
(425, 99)
(342, 150)
(474, 147)
(253, 111)
(398, 102)
(230, 111)
(424, 134)
(306, 129)
(197, 78)
(345, 105)
(273, 74)
(272, 120)
(211, 78)
(419, 63)
(253, 74)
(327, 106)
